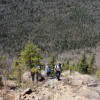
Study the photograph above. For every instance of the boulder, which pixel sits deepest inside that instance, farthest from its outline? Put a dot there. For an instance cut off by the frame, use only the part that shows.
(88, 92)
(77, 82)
(43, 73)
(27, 91)
(92, 84)
(26, 77)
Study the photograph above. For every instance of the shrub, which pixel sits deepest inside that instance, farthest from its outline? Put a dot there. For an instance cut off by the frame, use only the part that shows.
(90, 64)
(82, 65)
(85, 65)
(98, 74)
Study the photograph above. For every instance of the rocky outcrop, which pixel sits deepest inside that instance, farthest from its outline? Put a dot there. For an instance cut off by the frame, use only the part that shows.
(92, 84)
(51, 89)
(27, 91)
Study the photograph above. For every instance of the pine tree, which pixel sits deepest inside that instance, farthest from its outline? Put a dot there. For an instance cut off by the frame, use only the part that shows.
(82, 65)
(30, 57)
(90, 63)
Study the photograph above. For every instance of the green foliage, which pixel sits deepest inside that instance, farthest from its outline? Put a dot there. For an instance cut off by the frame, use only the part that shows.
(71, 67)
(35, 70)
(98, 74)
(86, 65)
(91, 63)
(66, 65)
(82, 66)
(16, 63)
(53, 59)
(17, 70)
(88, 50)
(30, 56)
(53, 25)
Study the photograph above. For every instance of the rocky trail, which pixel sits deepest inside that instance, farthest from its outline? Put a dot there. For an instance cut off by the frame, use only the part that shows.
(71, 87)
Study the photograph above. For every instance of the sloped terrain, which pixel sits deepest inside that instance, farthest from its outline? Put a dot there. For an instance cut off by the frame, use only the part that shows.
(51, 24)
(72, 87)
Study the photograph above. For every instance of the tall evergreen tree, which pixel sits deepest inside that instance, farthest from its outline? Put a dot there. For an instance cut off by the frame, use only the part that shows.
(90, 63)
(82, 66)
(30, 57)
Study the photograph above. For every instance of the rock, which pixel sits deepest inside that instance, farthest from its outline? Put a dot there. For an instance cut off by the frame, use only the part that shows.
(17, 96)
(27, 91)
(43, 73)
(26, 77)
(12, 87)
(10, 83)
(41, 78)
(51, 83)
(81, 98)
(92, 84)
(99, 92)
(65, 73)
(22, 97)
(86, 78)
(52, 89)
(77, 82)
(88, 92)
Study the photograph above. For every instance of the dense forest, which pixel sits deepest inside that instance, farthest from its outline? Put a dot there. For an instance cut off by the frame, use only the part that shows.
(53, 25)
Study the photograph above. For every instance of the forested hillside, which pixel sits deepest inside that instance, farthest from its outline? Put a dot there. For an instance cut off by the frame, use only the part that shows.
(53, 25)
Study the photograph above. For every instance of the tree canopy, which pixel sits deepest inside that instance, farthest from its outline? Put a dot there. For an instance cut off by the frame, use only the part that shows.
(30, 56)
(53, 25)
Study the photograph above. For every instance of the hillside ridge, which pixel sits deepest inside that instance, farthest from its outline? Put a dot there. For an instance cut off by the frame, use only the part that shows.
(51, 24)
